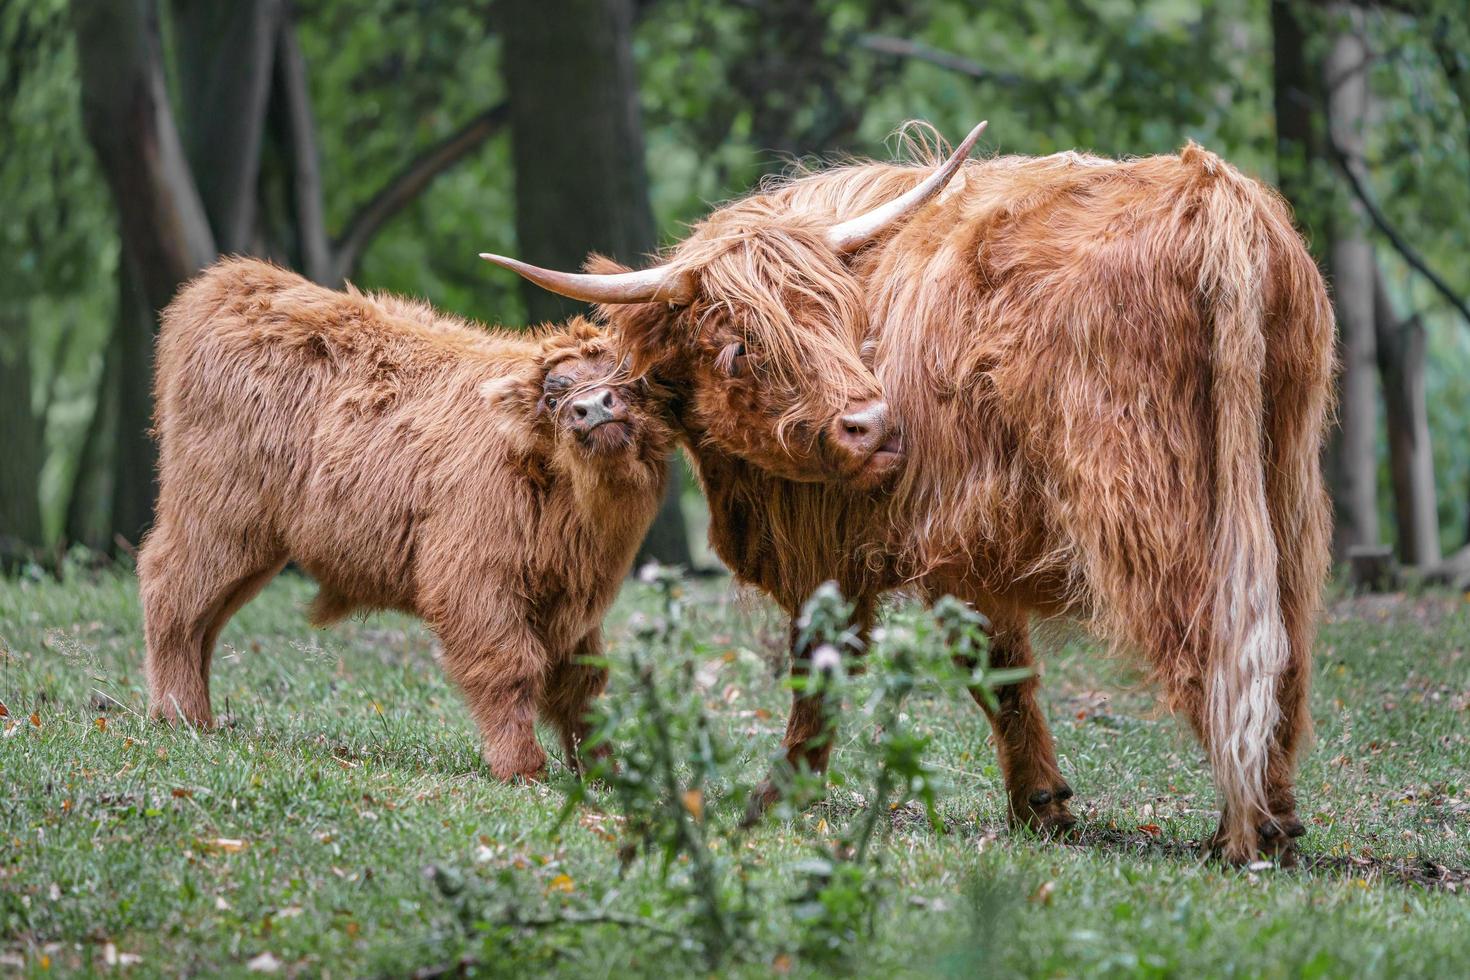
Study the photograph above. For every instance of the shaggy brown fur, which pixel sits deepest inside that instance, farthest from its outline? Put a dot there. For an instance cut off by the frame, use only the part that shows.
(1112, 379)
(405, 460)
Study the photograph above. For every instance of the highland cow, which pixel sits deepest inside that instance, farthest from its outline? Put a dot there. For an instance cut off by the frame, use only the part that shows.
(494, 484)
(1111, 379)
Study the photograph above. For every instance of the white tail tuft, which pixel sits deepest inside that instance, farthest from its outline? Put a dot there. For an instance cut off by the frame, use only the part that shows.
(1249, 648)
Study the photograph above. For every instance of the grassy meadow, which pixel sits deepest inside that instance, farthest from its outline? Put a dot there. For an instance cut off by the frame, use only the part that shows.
(340, 822)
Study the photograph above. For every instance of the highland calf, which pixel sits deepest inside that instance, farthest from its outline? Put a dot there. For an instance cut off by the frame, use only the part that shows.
(494, 484)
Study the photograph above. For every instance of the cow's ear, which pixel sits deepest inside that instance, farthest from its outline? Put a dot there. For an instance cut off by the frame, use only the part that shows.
(647, 338)
(644, 334)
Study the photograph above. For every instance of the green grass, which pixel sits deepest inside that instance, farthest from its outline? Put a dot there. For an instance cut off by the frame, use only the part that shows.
(348, 767)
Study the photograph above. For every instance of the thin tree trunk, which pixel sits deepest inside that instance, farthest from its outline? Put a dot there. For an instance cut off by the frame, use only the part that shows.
(134, 454)
(581, 185)
(1296, 89)
(294, 123)
(1411, 463)
(21, 530)
(1353, 266)
(166, 235)
(581, 182)
(89, 505)
(225, 52)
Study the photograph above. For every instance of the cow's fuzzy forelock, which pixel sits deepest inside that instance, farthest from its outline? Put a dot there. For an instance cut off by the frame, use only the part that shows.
(789, 295)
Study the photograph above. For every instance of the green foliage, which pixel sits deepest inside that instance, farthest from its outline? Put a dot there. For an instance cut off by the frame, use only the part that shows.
(676, 785)
(730, 91)
(58, 235)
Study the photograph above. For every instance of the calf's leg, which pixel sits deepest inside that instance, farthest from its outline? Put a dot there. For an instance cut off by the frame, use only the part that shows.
(501, 668)
(571, 686)
(191, 585)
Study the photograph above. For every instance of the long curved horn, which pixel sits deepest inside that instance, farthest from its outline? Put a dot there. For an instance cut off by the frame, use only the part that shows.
(656, 285)
(854, 233)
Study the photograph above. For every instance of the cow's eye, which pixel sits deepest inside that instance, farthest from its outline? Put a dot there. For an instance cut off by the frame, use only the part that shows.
(733, 360)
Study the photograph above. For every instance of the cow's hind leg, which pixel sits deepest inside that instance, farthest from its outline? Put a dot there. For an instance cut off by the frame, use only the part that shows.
(191, 586)
(1036, 793)
(1279, 832)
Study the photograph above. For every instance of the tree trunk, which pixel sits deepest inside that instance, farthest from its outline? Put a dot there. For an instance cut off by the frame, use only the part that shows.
(1353, 267)
(293, 124)
(125, 110)
(581, 183)
(21, 530)
(89, 506)
(134, 454)
(225, 52)
(1296, 94)
(166, 236)
(1411, 463)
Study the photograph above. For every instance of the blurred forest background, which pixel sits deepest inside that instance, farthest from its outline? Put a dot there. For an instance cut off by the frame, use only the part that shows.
(389, 141)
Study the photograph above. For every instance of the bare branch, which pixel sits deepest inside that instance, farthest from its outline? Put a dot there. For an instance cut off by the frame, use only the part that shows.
(899, 47)
(1400, 244)
(408, 183)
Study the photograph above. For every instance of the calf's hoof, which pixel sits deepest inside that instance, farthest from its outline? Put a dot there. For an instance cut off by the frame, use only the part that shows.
(762, 798)
(521, 764)
(181, 711)
(1044, 811)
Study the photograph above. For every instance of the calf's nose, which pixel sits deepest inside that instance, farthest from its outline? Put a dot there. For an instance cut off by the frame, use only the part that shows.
(600, 406)
(863, 429)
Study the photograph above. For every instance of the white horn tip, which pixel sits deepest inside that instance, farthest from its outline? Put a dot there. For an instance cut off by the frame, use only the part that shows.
(969, 141)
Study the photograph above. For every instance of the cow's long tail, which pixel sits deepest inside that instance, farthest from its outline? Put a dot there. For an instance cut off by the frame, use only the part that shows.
(1248, 643)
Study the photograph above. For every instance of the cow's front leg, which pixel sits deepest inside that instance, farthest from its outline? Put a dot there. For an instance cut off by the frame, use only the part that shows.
(810, 727)
(1036, 792)
(501, 670)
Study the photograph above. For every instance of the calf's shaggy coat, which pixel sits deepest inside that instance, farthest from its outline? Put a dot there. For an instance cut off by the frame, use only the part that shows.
(494, 484)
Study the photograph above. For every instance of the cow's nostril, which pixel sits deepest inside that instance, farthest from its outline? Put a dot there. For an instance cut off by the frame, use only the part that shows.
(580, 410)
(607, 399)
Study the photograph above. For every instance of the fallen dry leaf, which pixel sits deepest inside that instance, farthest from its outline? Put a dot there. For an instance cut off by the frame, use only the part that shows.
(180, 793)
(264, 963)
(1043, 893)
(562, 883)
(693, 801)
(112, 957)
(224, 845)
(36, 718)
(1152, 829)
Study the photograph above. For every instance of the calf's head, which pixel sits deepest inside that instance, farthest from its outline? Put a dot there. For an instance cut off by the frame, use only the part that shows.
(597, 415)
(757, 322)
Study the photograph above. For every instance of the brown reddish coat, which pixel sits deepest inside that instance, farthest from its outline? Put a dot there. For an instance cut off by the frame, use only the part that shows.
(1112, 379)
(406, 460)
